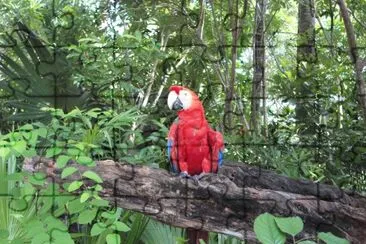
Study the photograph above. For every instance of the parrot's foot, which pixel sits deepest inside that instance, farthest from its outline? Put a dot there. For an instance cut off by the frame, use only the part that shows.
(184, 175)
(196, 179)
(202, 175)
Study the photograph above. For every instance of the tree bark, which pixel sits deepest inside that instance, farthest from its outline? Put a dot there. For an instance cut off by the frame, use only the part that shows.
(306, 58)
(357, 62)
(228, 202)
(235, 28)
(258, 83)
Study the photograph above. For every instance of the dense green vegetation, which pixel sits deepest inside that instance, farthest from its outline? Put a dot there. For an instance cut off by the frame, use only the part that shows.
(87, 80)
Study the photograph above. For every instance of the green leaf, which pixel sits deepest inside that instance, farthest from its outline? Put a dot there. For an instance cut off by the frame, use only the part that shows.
(53, 151)
(26, 127)
(33, 227)
(266, 230)
(61, 237)
(73, 151)
(30, 153)
(52, 223)
(20, 146)
(42, 132)
(93, 176)
(68, 171)
(62, 161)
(84, 160)
(85, 196)
(290, 225)
(98, 228)
(99, 202)
(112, 214)
(75, 206)
(37, 178)
(75, 185)
(113, 239)
(120, 226)
(40, 238)
(87, 216)
(306, 242)
(329, 238)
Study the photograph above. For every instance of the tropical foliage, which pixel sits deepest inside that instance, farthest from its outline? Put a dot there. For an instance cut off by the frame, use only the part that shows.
(87, 80)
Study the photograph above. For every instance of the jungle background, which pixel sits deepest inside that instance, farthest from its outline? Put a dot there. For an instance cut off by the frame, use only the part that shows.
(87, 80)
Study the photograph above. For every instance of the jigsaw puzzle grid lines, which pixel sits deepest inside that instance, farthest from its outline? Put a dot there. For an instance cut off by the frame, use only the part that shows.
(114, 48)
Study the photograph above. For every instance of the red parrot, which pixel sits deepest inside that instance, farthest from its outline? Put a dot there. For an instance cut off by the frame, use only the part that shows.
(194, 148)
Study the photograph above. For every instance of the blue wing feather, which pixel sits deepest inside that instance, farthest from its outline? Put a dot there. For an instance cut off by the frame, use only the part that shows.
(169, 151)
(221, 157)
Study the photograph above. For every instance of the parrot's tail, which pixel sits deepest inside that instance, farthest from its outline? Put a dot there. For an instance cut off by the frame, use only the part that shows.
(194, 236)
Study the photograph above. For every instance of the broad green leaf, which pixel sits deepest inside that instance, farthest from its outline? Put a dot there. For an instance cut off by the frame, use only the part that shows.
(40, 238)
(306, 242)
(75, 206)
(266, 230)
(100, 202)
(53, 151)
(85, 196)
(98, 228)
(51, 223)
(26, 127)
(20, 146)
(68, 171)
(113, 239)
(73, 151)
(37, 178)
(42, 132)
(290, 225)
(31, 152)
(62, 161)
(98, 187)
(329, 238)
(112, 214)
(84, 160)
(93, 176)
(33, 227)
(120, 226)
(61, 237)
(87, 216)
(74, 185)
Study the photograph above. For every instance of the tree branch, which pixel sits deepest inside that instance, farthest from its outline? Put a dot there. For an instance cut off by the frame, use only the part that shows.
(228, 202)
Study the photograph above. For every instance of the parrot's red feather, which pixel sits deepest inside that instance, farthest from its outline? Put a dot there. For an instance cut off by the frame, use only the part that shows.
(177, 89)
(195, 146)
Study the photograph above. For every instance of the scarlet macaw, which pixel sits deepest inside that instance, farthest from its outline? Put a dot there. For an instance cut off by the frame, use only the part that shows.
(194, 148)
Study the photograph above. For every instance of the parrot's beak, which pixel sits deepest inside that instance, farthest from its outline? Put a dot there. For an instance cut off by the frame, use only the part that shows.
(174, 102)
(177, 105)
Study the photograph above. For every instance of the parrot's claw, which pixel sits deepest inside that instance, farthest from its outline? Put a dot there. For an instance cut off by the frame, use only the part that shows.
(202, 175)
(184, 175)
(196, 179)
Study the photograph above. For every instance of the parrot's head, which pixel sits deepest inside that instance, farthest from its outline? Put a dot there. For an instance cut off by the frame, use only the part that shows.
(182, 99)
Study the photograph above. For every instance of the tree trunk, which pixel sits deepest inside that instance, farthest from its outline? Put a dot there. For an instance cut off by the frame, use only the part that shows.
(306, 58)
(259, 65)
(358, 63)
(228, 202)
(233, 10)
